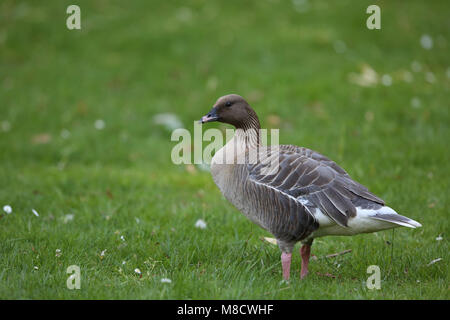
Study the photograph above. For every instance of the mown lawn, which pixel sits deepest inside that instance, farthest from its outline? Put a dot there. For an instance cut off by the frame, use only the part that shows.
(79, 145)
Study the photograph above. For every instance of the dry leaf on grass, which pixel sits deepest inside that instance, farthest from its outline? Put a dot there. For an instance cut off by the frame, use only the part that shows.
(270, 240)
(41, 138)
(367, 78)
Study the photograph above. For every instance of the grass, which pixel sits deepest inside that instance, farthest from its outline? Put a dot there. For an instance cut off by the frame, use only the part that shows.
(133, 60)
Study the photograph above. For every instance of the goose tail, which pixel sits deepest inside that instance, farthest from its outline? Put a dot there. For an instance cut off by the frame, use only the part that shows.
(397, 219)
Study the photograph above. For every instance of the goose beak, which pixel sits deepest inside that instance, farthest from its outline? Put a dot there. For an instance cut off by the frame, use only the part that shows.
(210, 117)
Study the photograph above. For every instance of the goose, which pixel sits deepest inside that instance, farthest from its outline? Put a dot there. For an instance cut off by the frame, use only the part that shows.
(301, 196)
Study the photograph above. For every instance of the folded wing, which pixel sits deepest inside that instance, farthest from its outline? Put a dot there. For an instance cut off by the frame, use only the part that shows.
(312, 179)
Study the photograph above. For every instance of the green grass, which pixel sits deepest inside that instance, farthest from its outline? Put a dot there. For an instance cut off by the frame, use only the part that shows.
(132, 60)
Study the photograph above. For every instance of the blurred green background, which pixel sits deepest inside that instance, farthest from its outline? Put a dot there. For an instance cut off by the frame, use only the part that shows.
(82, 143)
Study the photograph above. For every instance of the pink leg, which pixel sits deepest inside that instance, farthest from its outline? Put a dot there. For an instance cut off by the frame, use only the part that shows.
(286, 263)
(305, 252)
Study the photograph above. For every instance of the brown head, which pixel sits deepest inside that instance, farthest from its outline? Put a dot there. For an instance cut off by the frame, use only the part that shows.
(234, 110)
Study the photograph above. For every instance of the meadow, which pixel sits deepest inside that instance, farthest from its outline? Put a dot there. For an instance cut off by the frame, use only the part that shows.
(82, 146)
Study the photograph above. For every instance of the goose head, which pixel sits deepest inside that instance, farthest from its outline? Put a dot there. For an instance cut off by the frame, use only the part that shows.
(234, 110)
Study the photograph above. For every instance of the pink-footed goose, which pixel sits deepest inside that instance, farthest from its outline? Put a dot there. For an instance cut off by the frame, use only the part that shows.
(305, 197)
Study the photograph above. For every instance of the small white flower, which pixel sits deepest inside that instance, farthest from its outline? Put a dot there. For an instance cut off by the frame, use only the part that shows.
(99, 124)
(415, 102)
(426, 41)
(102, 254)
(439, 238)
(36, 268)
(61, 165)
(169, 120)
(407, 76)
(68, 217)
(339, 46)
(386, 80)
(35, 212)
(200, 224)
(184, 14)
(6, 126)
(122, 238)
(416, 66)
(124, 262)
(7, 209)
(137, 271)
(65, 134)
(166, 280)
(212, 83)
(58, 253)
(430, 77)
(300, 6)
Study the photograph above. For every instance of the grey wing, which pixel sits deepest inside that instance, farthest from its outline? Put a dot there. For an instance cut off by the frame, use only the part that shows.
(311, 178)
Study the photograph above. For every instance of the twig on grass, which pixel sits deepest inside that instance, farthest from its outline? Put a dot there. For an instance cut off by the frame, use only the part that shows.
(329, 275)
(338, 253)
(268, 292)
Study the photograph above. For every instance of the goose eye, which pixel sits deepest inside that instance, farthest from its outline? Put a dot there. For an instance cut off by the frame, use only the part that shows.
(228, 103)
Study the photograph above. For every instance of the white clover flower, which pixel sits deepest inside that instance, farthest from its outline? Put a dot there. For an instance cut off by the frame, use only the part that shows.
(339, 46)
(415, 102)
(426, 42)
(6, 126)
(68, 217)
(386, 80)
(169, 120)
(99, 124)
(416, 66)
(7, 209)
(184, 14)
(200, 224)
(407, 76)
(65, 134)
(430, 77)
